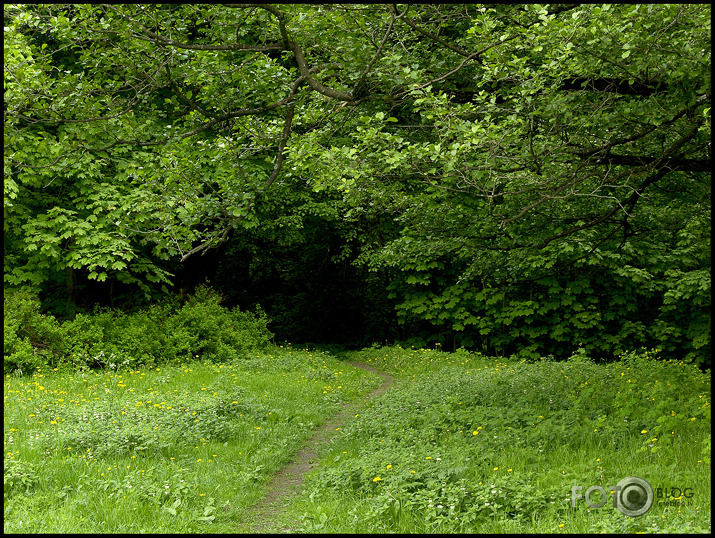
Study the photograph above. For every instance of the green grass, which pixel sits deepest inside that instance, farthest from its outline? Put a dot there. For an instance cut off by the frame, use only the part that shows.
(169, 449)
(473, 444)
(462, 443)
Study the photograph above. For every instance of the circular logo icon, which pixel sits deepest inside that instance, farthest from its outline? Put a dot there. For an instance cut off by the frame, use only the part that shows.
(634, 496)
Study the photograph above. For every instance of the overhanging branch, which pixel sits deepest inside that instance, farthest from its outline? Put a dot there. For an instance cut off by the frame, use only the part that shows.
(614, 85)
(217, 238)
(144, 34)
(685, 165)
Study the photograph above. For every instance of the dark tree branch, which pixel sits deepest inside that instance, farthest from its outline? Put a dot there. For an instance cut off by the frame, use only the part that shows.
(575, 179)
(310, 81)
(288, 44)
(614, 85)
(152, 37)
(217, 239)
(602, 85)
(411, 24)
(281, 147)
(686, 165)
(190, 102)
(377, 54)
(605, 149)
(660, 165)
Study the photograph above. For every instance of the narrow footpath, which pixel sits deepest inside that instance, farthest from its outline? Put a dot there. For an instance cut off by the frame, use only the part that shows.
(287, 482)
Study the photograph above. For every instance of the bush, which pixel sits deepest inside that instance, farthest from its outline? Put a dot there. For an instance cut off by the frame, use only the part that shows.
(83, 340)
(168, 332)
(164, 332)
(221, 334)
(30, 339)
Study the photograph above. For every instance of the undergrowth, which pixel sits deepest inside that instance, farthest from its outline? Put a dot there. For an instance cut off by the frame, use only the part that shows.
(471, 444)
(462, 443)
(168, 332)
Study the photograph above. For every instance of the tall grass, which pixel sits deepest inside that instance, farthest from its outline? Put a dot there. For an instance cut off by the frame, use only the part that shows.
(184, 448)
(462, 443)
(471, 444)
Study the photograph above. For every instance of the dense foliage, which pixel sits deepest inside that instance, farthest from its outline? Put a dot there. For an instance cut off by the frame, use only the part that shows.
(506, 177)
(166, 332)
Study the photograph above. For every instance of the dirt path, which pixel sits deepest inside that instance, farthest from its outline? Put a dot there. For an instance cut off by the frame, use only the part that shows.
(287, 482)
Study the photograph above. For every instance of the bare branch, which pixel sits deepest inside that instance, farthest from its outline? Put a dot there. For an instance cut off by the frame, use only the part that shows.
(661, 170)
(688, 165)
(641, 134)
(632, 200)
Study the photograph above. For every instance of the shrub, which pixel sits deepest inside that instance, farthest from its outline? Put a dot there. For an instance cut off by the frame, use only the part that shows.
(163, 332)
(83, 342)
(30, 339)
(140, 337)
(220, 334)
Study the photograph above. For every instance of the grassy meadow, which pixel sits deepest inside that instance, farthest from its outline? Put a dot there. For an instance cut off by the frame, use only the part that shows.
(471, 444)
(461, 443)
(169, 449)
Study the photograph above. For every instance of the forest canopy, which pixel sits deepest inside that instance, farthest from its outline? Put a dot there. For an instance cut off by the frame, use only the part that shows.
(513, 178)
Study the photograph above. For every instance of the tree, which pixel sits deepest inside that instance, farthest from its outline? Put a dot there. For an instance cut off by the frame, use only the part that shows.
(532, 158)
(547, 191)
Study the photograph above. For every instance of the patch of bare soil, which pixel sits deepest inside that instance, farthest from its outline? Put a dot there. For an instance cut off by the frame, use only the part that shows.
(287, 482)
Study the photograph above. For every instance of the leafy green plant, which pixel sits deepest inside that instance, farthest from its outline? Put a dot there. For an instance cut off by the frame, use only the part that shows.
(175, 446)
(221, 334)
(475, 444)
(161, 333)
(19, 476)
(30, 338)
